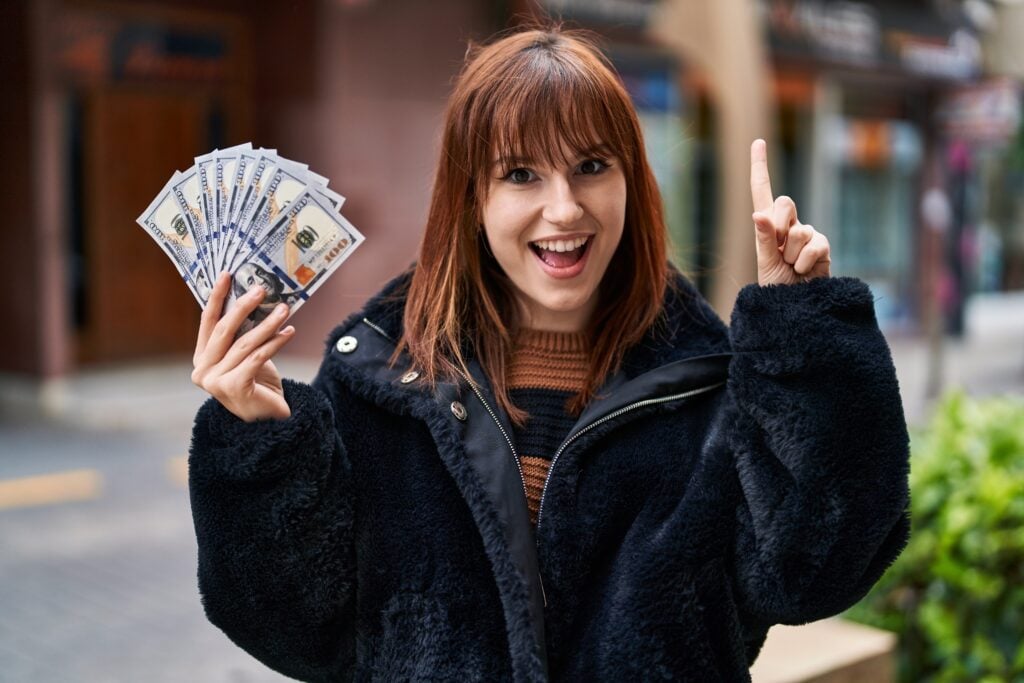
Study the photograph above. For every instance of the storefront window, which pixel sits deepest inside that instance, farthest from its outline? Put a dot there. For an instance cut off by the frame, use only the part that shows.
(654, 89)
(875, 213)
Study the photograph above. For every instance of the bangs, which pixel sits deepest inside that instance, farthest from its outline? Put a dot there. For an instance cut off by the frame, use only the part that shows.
(553, 125)
(550, 106)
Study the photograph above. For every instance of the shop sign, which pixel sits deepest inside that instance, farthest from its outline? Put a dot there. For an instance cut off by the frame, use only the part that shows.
(984, 113)
(900, 35)
(850, 31)
(959, 58)
(101, 46)
(630, 12)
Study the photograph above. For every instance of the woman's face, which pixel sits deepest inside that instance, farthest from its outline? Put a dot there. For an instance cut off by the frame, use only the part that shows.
(553, 230)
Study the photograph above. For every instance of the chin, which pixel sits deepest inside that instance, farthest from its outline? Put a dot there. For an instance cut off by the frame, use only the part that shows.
(567, 307)
(561, 301)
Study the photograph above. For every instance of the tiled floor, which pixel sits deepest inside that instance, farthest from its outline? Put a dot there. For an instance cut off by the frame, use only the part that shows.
(105, 589)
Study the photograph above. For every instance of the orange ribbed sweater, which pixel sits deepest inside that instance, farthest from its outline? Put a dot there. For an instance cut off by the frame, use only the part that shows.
(547, 368)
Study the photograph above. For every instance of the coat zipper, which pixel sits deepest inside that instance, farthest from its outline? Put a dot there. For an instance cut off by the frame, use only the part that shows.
(379, 331)
(573, 437)
(611, 416)
(565, 444)
(508, 440)
(519, 466)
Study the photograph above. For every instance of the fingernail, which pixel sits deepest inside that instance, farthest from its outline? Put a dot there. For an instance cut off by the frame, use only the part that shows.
(280, 309)
(255, 290)
(287, 330)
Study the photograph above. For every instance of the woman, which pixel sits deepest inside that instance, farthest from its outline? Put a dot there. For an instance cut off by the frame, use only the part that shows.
(540, 455)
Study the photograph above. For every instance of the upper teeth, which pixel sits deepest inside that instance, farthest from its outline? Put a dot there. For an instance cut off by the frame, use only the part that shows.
(561, 245)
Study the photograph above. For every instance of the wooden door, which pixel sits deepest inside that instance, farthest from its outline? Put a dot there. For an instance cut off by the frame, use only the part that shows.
(135, 303)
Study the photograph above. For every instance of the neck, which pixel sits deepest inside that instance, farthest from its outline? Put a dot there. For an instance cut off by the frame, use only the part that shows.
(546, 320)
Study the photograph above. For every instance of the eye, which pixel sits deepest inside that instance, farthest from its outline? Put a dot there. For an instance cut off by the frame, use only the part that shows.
(519, 176)
(592, 166)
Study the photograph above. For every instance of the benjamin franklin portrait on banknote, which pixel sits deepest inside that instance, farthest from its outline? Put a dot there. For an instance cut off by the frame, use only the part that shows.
(249, 274)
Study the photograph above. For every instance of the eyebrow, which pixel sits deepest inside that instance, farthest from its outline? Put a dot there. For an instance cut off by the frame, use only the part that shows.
(600, 148)
(509, 162)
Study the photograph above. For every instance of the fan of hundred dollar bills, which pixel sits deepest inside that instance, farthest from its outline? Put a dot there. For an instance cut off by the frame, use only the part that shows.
(266, 220)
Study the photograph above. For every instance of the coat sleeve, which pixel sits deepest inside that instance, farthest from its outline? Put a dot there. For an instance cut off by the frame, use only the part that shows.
(273, 512)
(820, 446)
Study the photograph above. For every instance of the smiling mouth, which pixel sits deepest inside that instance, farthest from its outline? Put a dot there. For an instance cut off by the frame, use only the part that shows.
(561, 253)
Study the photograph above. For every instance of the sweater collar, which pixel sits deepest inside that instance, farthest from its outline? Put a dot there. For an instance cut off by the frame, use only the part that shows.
(687, 328)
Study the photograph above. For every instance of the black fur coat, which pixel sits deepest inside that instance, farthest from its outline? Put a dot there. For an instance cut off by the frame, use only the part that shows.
(725, 480)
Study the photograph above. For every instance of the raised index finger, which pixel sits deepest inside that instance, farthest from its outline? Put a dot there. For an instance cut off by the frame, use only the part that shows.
(760, 183)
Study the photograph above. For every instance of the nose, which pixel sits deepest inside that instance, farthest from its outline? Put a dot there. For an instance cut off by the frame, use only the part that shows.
(561, 206)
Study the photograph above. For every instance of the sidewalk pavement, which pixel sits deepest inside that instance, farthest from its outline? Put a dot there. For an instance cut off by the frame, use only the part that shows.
(987, 361)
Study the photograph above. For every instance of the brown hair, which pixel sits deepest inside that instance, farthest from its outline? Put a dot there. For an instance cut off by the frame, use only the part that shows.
(529, 95)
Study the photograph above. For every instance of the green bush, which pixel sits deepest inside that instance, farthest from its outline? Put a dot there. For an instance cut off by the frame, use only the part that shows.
(956, 594)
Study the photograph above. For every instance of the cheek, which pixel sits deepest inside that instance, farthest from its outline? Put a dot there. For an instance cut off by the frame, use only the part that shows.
(503, 224)
(609, 208)
(617, 208)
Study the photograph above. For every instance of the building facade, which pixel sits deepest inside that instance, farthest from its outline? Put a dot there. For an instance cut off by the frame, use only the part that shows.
(896, 126)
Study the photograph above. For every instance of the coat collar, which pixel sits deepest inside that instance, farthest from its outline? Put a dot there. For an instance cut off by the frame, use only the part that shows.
(686, 351)
(688, 327)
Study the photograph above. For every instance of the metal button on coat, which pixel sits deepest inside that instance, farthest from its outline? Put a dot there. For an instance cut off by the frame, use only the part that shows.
(347, 344)
(409, 377)
(459, 411)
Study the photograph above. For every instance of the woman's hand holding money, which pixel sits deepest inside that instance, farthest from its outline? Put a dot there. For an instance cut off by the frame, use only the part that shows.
(239, 372)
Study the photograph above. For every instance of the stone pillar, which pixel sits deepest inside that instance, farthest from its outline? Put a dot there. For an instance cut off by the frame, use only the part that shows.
(725, 40)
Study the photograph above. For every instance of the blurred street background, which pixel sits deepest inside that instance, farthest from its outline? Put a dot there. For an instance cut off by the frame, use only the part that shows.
(896, 125)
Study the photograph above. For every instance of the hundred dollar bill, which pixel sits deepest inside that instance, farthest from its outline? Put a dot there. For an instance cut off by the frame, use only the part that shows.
(246, 181)
(204, 173)
(164, 222)
(302, 248)
(261, 168)
(320, 183)
(281, 186)
(244, 167)
(223, 170)
(189, 195)
(242, 177)
(332, 197)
